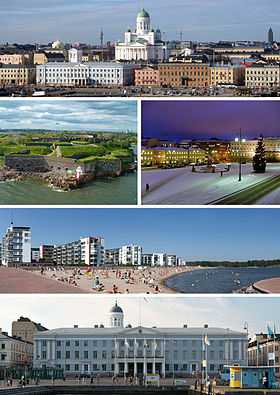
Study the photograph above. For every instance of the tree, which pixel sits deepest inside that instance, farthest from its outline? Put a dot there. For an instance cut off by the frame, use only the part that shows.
(259, 160)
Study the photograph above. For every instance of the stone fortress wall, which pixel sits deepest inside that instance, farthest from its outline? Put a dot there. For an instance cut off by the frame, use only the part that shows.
(43, 164)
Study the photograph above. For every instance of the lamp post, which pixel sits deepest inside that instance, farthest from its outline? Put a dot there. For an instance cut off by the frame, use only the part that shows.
(240, 140)
(246, 328)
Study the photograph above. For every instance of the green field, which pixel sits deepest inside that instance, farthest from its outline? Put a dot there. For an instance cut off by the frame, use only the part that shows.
(102, 146)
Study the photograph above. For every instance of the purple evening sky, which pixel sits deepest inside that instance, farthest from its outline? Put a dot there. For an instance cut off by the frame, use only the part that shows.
(210, 119)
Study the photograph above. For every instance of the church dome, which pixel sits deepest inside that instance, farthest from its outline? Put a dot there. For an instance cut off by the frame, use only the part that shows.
(143, 14)
(116, 309)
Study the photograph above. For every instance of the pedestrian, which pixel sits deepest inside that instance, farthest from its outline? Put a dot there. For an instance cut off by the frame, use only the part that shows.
(147, 187)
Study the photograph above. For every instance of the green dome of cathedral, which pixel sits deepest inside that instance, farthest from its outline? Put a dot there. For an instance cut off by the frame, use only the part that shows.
(143, 14)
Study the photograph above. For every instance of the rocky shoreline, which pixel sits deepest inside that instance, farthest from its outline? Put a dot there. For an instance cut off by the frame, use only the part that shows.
(54, 180)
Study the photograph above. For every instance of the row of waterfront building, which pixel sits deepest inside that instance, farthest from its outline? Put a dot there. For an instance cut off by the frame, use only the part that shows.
(164, 75)
(17, 249)
(163, 153)
(144, 59)
(119, 349)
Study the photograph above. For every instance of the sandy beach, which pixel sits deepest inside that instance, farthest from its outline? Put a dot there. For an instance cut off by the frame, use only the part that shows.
(109, 280)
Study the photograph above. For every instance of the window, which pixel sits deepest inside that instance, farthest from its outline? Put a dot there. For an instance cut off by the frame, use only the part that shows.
(58, 343)
(77, 367)
(67, 354)
(94, 355)
(67, 343)
(77, 354)
(58, 355)
(104, 367)
(3, 346)
(77, 343)
(85, 354)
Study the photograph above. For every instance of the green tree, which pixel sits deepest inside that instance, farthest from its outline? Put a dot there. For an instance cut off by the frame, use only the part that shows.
(259, 160)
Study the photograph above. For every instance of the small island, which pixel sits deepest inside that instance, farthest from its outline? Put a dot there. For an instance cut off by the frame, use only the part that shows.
(64, 159)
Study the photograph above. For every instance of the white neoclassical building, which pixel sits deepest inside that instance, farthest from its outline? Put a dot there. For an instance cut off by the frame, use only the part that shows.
(126, 350)
(144, 44)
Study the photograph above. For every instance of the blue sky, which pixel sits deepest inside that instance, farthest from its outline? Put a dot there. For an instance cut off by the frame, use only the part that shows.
(72, 21)
(56, 311)
(196, 234)
(117, 116)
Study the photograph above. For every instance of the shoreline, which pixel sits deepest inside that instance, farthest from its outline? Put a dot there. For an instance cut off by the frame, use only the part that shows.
(114, 280)
(251, 288)
(54, 181)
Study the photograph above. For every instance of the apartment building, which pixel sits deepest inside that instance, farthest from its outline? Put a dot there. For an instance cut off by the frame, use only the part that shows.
(227, 75)
(46, 253)
(35, 254)
(14, 351)
(16, 246)
(17, 74)
(262, 76)
(130, 255)
(112, 256)
(26, 329)
(16, 58)
(86, 251)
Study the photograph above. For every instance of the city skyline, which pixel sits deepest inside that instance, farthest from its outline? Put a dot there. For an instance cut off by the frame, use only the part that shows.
(61, 115)
(198, 119)
(206, 21)
(224, 312)
(150, 228)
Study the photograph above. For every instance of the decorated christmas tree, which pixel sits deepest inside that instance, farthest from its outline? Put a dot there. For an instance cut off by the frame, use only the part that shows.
(259, 160)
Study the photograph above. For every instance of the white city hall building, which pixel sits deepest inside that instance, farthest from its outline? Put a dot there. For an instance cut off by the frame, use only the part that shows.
(119, 350)
(144, 44)
(85, 74)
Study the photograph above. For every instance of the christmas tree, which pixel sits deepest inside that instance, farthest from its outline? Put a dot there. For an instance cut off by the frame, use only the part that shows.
(259, 160)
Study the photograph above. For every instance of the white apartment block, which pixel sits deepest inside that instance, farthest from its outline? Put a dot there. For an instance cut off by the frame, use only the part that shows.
(85, 74)
(14, 351)
(130, 255)
(88, 251)
(154, 259)
(16, 246)
(126, 350)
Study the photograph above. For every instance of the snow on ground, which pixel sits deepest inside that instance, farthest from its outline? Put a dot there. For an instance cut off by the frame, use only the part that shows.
(181, 186)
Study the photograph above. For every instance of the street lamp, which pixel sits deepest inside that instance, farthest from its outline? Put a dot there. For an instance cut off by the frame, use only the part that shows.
(246, 328)
(240, 140)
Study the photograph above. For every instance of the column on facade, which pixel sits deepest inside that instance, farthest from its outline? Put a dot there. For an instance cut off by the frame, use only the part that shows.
(49, 351)
(231, 350)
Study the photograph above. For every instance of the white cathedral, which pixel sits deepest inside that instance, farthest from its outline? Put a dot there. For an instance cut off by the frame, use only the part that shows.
(145, 44)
